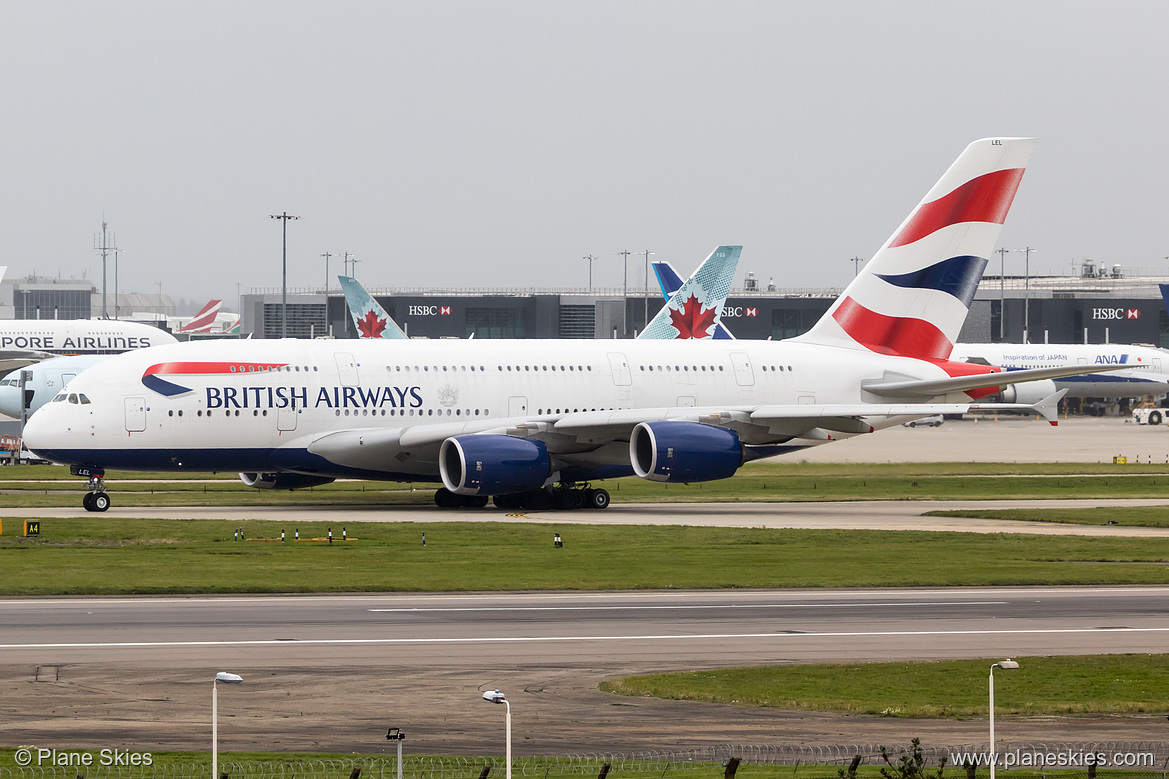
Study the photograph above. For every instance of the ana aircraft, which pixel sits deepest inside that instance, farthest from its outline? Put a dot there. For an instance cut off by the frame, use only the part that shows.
(25, 341)
(532, 422)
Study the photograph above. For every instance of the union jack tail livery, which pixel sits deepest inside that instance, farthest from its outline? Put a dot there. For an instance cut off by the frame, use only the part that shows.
(913, 296)
(203, 321)
(370, 319)
(695, 309)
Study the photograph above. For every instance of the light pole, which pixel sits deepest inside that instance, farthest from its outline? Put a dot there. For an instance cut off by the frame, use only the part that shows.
(625, 294)
(327, 255)
(284, 217)
(495, 696)
(1027, 293)
(1002, 291)
(856, 266)
(590, 258)
(645, 308)
(226, 678)
(399, 735)
(1006, 665)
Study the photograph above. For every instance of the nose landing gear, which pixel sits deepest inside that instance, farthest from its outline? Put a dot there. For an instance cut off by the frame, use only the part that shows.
(97, 499)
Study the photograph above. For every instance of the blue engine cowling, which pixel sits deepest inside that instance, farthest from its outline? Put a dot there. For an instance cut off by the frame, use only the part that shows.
(493, 464)
(684, 451)
(282, 481)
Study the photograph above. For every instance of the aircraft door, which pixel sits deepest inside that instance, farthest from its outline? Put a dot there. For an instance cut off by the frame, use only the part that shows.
(135, 415)
(346, 369)
(744, 376)
(685, 401)
(622, 377)
(286, 417)
(1157, 364)
(517, 406)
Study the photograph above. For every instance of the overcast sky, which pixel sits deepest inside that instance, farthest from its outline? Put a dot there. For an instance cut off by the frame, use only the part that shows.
(495, 144)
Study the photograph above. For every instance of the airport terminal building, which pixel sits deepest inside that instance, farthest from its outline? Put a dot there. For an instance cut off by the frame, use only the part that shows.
(1101, 305)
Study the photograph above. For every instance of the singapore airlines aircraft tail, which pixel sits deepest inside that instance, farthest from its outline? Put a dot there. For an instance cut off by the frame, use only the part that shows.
(370, 319)
(695, 308)
(204, 320)
(913, 296)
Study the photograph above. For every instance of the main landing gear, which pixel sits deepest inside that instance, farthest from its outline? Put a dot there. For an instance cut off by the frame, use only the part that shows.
(559, 497)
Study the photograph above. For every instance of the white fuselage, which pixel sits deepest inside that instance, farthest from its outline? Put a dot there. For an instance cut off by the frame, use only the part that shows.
(1147, 376)
(304, 405)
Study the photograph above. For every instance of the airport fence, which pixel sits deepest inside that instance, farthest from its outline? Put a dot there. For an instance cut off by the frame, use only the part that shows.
(1048, 760)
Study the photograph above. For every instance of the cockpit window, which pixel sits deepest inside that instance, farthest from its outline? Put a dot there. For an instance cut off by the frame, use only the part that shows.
(73, 399)
(84, 400)
(60, 398)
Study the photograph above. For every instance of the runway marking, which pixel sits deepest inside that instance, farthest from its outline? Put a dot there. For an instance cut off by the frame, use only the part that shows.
(694, 606)
(561, 639)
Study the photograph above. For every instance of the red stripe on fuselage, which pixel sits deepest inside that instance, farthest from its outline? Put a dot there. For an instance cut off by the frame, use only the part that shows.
(987, 198)
(178, 368)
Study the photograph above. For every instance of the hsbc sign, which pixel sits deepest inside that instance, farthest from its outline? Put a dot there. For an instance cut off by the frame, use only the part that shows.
(428, 311)
(736, 312)
(1115, 313)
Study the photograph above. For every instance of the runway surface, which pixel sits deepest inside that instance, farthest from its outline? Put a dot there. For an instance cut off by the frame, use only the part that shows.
(331, 673)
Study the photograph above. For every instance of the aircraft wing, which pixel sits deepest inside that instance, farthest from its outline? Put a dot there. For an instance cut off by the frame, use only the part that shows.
(933, 387)
(11, 359)
(377, 449)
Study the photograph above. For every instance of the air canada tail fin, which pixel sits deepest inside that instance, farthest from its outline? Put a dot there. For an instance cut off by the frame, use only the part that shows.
(371, 319)
(912, 297)
(202, 322)
(694, 310)
(670, 282)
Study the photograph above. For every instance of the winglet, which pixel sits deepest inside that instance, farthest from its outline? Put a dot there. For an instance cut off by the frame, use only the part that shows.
(370, 319)
(1048, 408)
(695, 309)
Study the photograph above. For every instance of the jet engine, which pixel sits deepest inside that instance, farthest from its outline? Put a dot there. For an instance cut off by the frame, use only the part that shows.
(493, 464)
(282, 481)
(1029, 391)
(684, 451)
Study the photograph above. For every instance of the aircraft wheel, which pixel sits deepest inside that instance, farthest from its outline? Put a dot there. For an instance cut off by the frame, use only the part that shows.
(87, 501)
(444, 498)
(507, 502)
(478, 501)
(596, 499)
(100, 501)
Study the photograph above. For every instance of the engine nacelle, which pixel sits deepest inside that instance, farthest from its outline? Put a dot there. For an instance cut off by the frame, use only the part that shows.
(684, 451)
(1029, 391)
(493, 464)
(282, 481)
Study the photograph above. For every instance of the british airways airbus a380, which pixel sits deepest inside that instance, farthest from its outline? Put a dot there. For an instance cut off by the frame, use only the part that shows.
(533, 422)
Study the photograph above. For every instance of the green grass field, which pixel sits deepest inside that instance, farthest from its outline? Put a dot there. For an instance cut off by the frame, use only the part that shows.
(1093, 684)
(94, 555)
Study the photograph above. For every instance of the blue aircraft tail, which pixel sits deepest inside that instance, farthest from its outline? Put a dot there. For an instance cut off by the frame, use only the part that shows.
(670, 282)
(371, 319)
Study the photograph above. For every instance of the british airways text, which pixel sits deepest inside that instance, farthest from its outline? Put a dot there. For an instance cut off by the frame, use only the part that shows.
(327, 397)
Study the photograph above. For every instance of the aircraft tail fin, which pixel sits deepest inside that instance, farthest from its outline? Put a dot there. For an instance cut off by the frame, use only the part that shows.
(695, 308)
(370, 319)
(670, 282)
(202, 322)
(912, 297)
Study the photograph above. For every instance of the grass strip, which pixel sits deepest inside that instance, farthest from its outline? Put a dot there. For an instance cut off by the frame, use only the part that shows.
(95, 556)
(42, 486)
(1090, 684)
(1126, 516)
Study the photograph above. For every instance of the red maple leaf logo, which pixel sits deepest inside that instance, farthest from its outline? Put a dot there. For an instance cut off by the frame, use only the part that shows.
(371, 326)
(693, 320)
